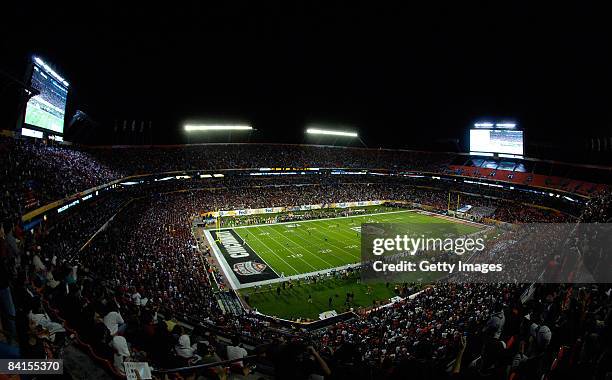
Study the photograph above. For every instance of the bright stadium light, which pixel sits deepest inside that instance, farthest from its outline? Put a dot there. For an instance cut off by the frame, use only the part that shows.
(483, 125)
(317, 131)
(505, 125)
(213, 127)
(47, 68)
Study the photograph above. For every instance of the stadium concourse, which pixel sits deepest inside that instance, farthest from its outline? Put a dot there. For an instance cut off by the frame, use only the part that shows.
(120, 275)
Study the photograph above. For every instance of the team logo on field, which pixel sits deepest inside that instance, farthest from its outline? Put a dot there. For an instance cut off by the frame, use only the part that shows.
(249, 268)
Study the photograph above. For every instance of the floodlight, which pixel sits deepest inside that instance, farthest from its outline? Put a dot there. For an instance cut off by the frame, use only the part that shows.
(483, 125)
(317, 131)
(47, 68)
(505, 125)
(213, 127)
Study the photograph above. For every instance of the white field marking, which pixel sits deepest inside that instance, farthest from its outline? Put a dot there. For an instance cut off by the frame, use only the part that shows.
(229, 273)
(342, 237)
(303, 248)
(237, 285)
(348, 253)
(328, 243)
(412, 214)
(333, 245)
(302, 275)
(256, 254)
(317, 220)
(272, 252)
(288, 250)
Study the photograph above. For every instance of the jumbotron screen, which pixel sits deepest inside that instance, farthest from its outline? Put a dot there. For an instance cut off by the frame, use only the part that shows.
(501, 141)
(46, 110)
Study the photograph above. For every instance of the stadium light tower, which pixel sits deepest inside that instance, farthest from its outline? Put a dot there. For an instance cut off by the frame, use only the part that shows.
(216, 127)
(505, 125)
(330, 132)
(484, 125)
(48, 68)
(334, 133)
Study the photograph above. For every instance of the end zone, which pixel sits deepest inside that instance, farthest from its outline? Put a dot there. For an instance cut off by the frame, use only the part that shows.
(241, 265)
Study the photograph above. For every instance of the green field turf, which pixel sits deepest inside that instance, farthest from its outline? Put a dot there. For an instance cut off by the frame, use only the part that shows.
(293, 303)
(314, 245)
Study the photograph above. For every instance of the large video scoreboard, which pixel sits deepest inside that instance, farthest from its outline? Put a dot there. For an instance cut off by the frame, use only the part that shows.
(494, 140)
(46, 110)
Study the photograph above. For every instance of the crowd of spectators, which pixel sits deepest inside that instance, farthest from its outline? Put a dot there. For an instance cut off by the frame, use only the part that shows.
(480, 331)
(126, 291)
(36, 173)
(141, 160)
(159, 257)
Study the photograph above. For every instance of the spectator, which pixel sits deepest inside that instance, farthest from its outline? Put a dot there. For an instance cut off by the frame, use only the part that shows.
(121, 353)
(114, 322)
(184, 349)
(236, 351)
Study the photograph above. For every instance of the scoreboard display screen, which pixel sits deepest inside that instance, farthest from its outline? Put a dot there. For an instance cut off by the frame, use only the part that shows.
(502, 141)
(46, 110)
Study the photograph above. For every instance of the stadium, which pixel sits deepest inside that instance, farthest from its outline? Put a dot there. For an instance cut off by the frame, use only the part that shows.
(284, 221)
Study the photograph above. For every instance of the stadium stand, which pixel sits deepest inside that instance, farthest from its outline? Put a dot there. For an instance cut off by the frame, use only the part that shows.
(121, 278)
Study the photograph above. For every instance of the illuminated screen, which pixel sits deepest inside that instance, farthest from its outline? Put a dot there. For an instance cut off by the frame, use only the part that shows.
(496, 141)
(46, 110)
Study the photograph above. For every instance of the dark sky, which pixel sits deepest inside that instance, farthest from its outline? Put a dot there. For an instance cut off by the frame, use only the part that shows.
(396, 71)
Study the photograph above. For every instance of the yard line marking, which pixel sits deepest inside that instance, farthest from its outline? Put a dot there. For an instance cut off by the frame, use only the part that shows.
(345, 251)
(332, 254)
(287, 249)
(344, 237)
(274, 253)
(305, 249)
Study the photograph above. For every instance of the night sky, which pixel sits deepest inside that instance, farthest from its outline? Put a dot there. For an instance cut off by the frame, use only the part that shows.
(401, 73)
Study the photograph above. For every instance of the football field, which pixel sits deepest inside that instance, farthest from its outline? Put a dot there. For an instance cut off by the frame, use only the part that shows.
(258, 253)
